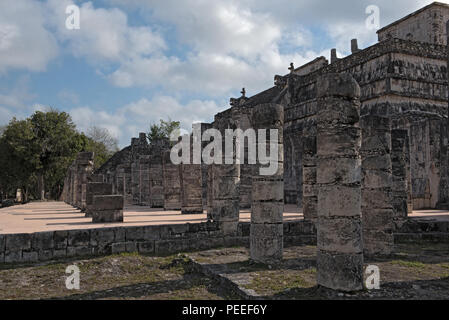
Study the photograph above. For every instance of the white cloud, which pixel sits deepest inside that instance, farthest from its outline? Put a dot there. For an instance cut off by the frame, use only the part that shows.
(25, 43)
(105, 35)
(135, 117)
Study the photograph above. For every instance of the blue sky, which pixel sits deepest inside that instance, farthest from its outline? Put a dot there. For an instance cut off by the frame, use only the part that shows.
(133, 62)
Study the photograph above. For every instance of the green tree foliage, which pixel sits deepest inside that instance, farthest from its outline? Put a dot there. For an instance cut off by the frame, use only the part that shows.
(163, 130)
(35, 153)
(17, 158)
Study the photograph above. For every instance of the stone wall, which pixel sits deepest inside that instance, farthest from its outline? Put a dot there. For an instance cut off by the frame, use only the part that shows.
(158, 240)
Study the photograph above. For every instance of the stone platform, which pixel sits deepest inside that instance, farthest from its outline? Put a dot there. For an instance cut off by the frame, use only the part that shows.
(55, 216)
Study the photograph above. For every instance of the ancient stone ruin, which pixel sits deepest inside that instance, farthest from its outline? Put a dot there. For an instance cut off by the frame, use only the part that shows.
(363, 140)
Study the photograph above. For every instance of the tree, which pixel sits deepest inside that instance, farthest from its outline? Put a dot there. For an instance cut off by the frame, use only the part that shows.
(102, 144)
(103, 136)
(18, 158)
(163, 130)
(56, 144)
(35, 153)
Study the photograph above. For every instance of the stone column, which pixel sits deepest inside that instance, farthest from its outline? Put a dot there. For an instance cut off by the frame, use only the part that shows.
(172, 184)
(309, 188)
(156, 175)
(266, 232)
(191, 186)
(225, 196)
(135, 181)
(399, 157)
(84, 167)
(377, 197)
(144, 180)
(339, 229)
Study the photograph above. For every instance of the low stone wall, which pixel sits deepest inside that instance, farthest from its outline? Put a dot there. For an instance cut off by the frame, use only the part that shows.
(416, 230)
(158, 240)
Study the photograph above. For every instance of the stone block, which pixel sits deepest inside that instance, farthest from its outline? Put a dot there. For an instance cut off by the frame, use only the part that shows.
(59, 253)
(343, 272)
(118, 247)
(45, 255)
(339, 201)
(339, 142)
(119, 234)
(340, 235)
(79, 251)
(338, 85)
(107, 216)
(13, 256)
(2, 243)
(228, 227)
(29, 256)
(266, 250)
(267, 212)
(108, 202)
(135, 234)
(225, 210)
(146, 247)
(78, 238)
(376, 179)
(268, 188)
(379, 199)
(341, 170)
(131, 246)
(18, 242)
(101, 237)
(42, 241)
(266, 230)
(153, 233)
(60, 239)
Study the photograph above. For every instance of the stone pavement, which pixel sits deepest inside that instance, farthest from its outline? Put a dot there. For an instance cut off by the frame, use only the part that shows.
(52, 216)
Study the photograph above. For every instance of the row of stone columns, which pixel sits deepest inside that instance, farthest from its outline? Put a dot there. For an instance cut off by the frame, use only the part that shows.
(76, 180)
(88, 192)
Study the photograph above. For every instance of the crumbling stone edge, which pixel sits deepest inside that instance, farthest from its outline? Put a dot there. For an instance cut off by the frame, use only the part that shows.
(225, 283)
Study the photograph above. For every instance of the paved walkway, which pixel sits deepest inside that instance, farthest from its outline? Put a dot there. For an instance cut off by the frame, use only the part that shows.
(50, 216)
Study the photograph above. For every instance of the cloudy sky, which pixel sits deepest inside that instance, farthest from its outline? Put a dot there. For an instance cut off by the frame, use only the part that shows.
(133, 62)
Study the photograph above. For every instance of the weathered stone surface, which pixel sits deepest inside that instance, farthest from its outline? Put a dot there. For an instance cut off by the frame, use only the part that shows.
(60, 239)
(339, 224)
(270, 212)
(342, 272)
(101, 237)
(377, 182)
(78, 238)
(18, 242)
(95, 189)
(105, 216)
(339, 200)
(108, 202)
(266, 231)
(42, 240)
(13, 256)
